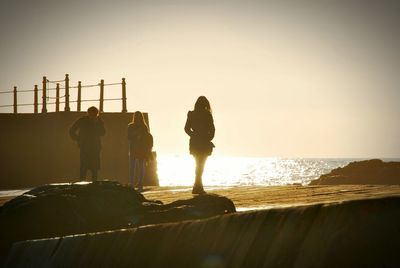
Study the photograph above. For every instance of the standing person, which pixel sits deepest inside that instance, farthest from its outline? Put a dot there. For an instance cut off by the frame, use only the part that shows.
(200, 127)
(87, 131)
(140, 146)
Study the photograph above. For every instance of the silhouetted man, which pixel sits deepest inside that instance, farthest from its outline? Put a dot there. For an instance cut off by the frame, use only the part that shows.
(87, 131)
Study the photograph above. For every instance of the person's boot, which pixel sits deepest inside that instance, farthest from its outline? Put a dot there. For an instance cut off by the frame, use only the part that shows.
(198, 189)
(140, 189)
(94, 175)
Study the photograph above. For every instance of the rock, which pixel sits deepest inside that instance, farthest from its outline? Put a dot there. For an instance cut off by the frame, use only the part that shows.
(63, 209)
(359, 233)
(373, 171)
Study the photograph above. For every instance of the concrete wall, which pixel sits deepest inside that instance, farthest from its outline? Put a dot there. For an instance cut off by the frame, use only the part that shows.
(36, 149)
(361, 233)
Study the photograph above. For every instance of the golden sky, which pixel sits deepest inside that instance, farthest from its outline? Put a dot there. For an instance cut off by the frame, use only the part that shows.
(284, 78)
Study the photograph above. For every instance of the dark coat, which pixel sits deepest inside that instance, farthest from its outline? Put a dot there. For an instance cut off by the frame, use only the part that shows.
(87, 133)
(140, 142)
(200, 127)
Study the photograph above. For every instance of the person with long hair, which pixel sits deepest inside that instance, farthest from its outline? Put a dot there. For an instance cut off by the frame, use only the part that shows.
(140, 147)
(200, 127)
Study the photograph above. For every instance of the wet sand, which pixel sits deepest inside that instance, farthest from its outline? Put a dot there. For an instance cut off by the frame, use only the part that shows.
(263, 197)
(10, 194)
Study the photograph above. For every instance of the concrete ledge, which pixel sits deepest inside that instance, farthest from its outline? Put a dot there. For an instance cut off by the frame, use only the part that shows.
(359, 233)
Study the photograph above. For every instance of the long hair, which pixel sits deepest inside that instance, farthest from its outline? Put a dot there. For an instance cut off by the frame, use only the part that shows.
(138, 121)
(202, 104)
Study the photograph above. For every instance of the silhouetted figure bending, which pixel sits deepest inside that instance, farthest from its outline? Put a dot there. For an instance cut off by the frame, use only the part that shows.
(87, 131)
(140, 146)
(200, 127)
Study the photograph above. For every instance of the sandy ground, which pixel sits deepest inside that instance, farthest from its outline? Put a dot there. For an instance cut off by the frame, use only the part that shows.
(10, 194)
(262, 197)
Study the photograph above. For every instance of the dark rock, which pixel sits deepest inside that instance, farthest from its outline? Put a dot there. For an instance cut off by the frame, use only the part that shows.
(64, 209)
(373, 171)
(199, 207)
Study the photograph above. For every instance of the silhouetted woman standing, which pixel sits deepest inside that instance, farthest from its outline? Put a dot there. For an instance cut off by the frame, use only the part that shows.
(140, 146)
(200, 127)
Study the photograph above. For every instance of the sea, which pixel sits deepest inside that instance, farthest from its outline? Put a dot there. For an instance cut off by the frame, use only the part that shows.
(178, 170)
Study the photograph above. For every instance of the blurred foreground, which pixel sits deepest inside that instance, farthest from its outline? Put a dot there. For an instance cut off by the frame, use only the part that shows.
(350, 233)
(296, 226)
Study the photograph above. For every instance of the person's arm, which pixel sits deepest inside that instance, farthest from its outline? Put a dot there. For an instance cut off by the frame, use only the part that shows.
(149, 153)
(101, 130)
(151, 141)
(188, 125)
(129, 133)
(212, 128)
(72, 130)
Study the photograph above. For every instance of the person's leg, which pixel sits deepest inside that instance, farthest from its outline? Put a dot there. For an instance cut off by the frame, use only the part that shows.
(82, 166)
(136, 164)
(131, 171)
(94, 174)
(93, 162)
(141, 164)
(82, 173)
(96, 165)
(198, 185)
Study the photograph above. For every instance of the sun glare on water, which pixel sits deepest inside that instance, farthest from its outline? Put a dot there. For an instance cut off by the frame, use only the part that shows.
(179, 170)
(175, 170)
(219, 170)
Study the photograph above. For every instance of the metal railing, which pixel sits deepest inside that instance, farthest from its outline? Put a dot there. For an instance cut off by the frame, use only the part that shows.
(66, 97)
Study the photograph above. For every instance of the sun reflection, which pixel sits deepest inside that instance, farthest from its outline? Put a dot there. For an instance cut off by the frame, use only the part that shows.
(219, 170)
(178, 170)
(175, 170)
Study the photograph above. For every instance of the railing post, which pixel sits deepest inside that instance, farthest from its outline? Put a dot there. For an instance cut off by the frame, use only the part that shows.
(44, 83)
(101, 95)
(58, 97)
(124, 110)
(35, 100)
(67, 109)
(78, 102)
(15, 100)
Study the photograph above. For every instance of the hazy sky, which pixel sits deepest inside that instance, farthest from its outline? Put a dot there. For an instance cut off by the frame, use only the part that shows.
(284, 78)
